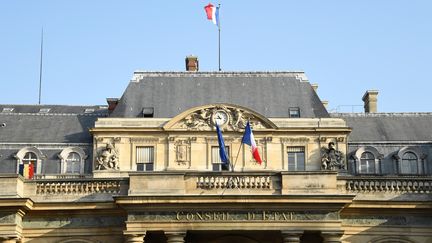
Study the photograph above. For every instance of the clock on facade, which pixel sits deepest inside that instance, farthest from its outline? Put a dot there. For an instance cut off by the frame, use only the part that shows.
(220, 117)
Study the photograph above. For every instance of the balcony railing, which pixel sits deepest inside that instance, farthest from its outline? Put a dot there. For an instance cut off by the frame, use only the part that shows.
(388, 184)
(87, 186)
(234, 181)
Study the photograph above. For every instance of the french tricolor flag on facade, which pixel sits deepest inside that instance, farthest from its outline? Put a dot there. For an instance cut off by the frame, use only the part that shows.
(249, 139)
(212, 13)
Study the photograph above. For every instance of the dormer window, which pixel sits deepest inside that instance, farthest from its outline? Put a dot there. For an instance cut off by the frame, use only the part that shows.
(148, 112)
(367, 163)
(294, 112)
(73, 163)
(409, 163)
(367, 160)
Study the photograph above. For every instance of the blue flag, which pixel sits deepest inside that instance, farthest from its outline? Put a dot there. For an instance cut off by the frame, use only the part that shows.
(222, 153)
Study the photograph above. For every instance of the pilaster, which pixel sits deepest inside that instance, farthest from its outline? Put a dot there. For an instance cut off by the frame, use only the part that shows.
(134, 238)
(175, 236)
(332, 237)
(9, 240)
(291, 236)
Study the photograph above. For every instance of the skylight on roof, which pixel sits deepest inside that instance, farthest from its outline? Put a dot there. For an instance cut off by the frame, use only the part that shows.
(7, 109)
(44, 110)
(89, 110)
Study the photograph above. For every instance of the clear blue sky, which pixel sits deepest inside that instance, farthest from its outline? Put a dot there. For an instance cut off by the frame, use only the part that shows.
(91, 48)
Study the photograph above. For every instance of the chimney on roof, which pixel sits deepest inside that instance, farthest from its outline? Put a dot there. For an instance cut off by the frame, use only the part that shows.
(325, 103)
(112, 103)
(192, 64)
(370, 99)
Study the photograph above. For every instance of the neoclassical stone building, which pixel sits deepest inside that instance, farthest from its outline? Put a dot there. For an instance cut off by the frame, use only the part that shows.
(146, 168)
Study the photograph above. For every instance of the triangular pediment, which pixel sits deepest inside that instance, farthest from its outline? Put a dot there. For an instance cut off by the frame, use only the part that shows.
(229, 117)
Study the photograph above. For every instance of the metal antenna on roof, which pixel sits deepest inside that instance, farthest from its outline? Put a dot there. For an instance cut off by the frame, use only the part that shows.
(40, 68)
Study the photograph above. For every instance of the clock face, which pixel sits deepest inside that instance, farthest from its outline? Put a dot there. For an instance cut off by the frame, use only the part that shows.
(220, 117)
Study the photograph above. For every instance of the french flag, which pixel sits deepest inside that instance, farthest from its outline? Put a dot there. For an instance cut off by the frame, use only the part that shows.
(212, 13)
(249, 139)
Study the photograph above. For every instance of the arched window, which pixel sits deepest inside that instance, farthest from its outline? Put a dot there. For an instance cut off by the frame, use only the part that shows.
(367, 163)
(367, 160)
(409, 163)
(73, 163)
(29, 165)
(72, 160)
(410, 160)
(29, 161)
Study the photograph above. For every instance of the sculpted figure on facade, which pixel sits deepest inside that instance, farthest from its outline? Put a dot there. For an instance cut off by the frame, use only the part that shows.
(332, 159)
(107, 158)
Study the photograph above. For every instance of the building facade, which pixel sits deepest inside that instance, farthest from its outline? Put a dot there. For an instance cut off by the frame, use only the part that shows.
(146, 168)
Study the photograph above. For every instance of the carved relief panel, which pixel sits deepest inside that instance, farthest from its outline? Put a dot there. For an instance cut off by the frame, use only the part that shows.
(227, 117)
(182, 148)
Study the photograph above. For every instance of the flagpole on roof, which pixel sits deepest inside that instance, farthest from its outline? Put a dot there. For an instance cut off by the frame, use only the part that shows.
(40, 67)
(219, 30)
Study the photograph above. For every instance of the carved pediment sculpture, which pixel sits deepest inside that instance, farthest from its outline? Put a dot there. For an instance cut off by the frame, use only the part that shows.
(332, 159)
(228, 117)
(107, 158)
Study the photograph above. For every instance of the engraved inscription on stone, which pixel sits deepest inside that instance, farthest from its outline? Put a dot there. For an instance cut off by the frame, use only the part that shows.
(210, 216)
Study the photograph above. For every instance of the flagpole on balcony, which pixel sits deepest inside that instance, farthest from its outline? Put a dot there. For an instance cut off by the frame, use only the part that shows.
(238, 153)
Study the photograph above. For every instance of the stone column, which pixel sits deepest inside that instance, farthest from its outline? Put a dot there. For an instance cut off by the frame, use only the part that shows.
(134, 238)
(332, 237)
(291, 236)
(175, 237)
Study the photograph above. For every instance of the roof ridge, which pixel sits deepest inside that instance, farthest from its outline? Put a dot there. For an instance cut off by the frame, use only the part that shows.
(380, 114)
(54, 114)
(300, 75)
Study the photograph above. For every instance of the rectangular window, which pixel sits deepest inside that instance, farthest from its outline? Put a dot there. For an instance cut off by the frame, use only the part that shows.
(216, 160)
(145, 158)
(296, 158)
(294, 112)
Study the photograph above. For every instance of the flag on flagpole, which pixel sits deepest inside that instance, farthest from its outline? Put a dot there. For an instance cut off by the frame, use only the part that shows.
(248, 138)
(212, 13)
(222, 153)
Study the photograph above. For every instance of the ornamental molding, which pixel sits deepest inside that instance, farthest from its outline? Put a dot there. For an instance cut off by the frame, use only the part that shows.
(144, 140)
(232, 118)
(295, 140)
(215, 140)
(413, 149)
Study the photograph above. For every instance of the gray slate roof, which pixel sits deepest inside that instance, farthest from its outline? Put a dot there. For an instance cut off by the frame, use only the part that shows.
(268, 93)
(63, 124)
(388, 126)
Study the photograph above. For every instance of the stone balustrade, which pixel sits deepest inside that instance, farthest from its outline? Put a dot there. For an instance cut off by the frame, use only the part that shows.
(388, 184)
(235, 181)
(78, 187)
(61, 176)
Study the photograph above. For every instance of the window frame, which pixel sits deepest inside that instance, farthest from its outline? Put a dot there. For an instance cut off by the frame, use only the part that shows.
(421, 157)
(22, 152)
(64, 154)
(367, 162)
(296, 165)
(145, 166)
(294, 109)
(218, 166)
(358, 156)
